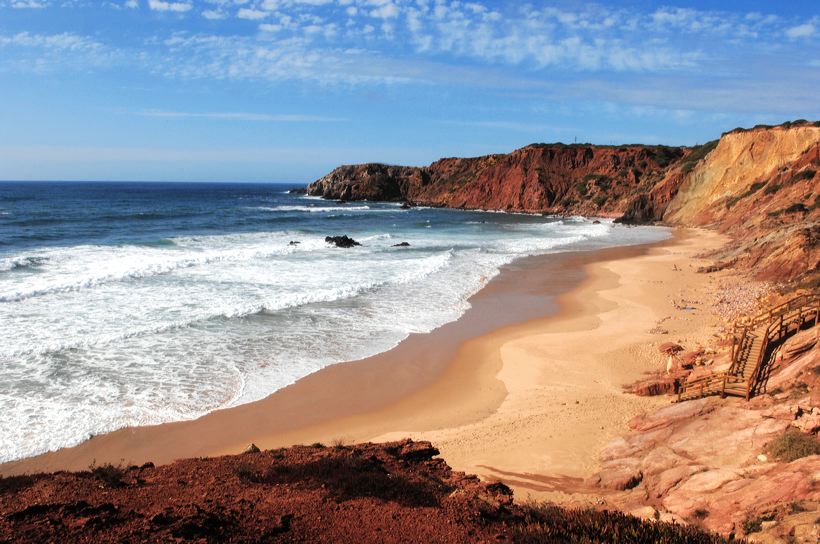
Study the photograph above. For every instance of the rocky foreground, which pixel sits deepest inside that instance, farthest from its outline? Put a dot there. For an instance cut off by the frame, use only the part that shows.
(752, 468)
(394, 492)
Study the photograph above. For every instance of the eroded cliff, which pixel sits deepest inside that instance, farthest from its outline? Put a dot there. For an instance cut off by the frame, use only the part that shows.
(544, 178)
(759, 185)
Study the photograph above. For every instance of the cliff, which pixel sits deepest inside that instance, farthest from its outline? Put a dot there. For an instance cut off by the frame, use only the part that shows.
(544, 178)
(760, 186)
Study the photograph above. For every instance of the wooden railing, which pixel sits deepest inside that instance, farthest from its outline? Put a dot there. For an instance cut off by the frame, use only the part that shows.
(778, 328)
(778, 322)
(809, 300)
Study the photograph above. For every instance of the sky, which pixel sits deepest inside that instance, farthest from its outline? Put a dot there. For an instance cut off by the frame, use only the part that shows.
(285, 90)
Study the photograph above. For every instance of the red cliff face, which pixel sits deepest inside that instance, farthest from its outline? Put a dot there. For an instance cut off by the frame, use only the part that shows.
(761, 186)
(555, 178)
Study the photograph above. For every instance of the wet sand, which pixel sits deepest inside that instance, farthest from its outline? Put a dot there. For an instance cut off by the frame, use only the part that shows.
(525, 387)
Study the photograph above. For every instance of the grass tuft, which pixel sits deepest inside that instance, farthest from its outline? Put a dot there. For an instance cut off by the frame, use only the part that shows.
(793, 445)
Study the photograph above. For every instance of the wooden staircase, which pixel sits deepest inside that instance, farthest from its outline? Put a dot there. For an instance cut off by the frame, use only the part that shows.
(752, 343)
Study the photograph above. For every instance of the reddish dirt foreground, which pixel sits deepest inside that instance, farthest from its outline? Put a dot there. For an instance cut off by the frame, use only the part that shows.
(394, 492)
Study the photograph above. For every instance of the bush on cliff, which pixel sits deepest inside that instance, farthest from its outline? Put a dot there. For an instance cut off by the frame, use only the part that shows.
(546, 523)
(793, 445)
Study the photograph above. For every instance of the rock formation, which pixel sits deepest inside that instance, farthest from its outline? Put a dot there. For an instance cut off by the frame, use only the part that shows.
(393, 492)
(712, 462)
(761, 186)
(545, 178)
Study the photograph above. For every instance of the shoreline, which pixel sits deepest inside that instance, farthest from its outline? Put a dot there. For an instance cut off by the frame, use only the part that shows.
(444, 386)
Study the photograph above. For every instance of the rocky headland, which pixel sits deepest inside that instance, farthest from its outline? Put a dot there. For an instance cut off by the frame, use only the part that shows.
(761, 186)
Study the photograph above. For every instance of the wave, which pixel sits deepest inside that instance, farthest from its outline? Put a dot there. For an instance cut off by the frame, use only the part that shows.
(21, 263)
(155, 269)
(429, 265)
(340, 209)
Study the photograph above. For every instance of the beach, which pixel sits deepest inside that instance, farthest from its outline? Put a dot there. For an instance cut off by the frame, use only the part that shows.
(525, 387)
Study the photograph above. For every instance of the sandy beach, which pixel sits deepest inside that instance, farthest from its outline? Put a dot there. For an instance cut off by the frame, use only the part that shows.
(526, 387)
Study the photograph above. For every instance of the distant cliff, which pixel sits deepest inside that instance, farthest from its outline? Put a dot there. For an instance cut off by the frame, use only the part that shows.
(759, 185)
(545, 178)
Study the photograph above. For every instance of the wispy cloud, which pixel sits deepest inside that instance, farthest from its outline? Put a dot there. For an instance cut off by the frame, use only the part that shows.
(696, 56)
(240, 116)
(800, 31)
(160, 5)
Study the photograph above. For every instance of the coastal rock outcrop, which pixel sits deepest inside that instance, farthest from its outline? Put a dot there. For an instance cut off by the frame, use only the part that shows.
(545, 178)
(343, 241)
(761, 186)
(728, 463)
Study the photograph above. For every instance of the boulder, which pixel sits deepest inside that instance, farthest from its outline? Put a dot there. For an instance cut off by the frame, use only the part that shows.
(661, 484)
(252, 448)
(670, 348)
(620, 474)
(402, 244)
(417, 451)
(341, 241)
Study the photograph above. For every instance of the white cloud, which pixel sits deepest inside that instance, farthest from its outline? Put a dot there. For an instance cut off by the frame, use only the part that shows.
(800, 31)
(28, 4)
(251, 14)
(387, 11)
(240, 116)
(178, 7)
(64, 41)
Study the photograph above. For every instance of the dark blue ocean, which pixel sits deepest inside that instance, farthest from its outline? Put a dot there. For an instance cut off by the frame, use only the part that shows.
(139, 303)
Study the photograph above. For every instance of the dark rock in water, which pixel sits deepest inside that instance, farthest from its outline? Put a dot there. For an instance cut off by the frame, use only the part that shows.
(294, 243)
(596, 222)
(341, 241)
(297, 191)
(402, 244)
(406, 205)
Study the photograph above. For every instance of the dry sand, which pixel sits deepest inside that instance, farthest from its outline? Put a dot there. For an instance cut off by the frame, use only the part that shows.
(503, 392)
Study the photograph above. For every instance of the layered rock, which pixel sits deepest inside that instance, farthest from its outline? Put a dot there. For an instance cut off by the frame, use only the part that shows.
(709, 461)
(544, 178)
(761, 186)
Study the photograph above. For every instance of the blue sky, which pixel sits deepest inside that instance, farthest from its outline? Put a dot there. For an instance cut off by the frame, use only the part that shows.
(284, 90)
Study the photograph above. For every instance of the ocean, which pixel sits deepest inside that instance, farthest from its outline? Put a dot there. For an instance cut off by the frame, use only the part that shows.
(128, 304)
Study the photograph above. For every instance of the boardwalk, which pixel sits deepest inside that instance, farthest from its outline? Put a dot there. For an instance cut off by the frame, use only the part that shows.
(754, 340)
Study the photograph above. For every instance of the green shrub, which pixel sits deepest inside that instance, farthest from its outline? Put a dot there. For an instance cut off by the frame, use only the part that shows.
(600, 200)
(804, 175)
(796, 208)
(108, 474)
(731, 201)
(581, 187)
(793, 445)
(698, 152)
(546, 523)
(771, 189)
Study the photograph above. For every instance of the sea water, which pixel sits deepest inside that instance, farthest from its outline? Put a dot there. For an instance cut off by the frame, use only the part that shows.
(140, 303)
